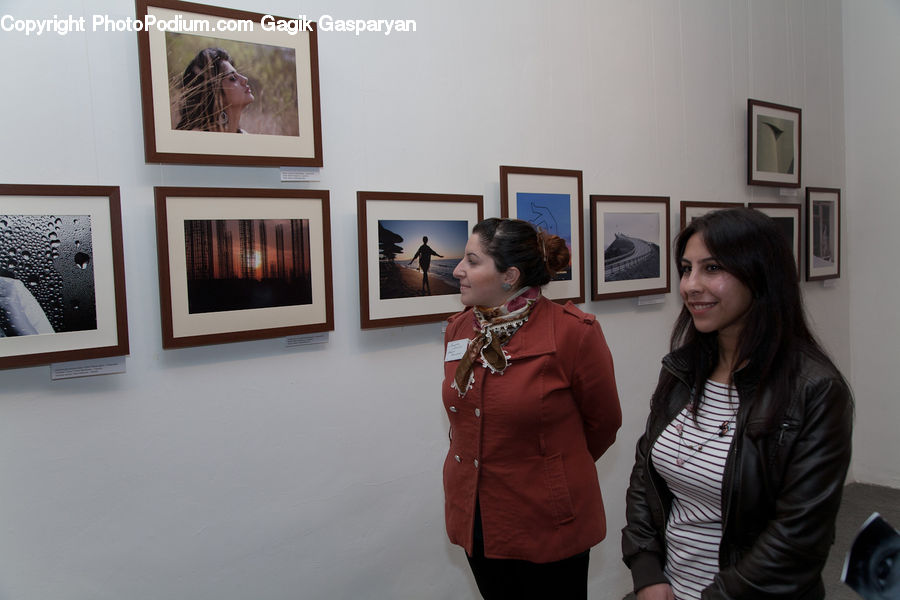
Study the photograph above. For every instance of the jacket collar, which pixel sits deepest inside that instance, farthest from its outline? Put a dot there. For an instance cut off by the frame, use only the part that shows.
(680, 363)
(536, 336)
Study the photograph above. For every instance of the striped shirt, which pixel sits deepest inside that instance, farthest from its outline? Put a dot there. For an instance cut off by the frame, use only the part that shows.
(690, 456)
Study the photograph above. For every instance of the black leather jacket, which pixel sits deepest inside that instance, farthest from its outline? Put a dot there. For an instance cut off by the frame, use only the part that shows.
(780, 494)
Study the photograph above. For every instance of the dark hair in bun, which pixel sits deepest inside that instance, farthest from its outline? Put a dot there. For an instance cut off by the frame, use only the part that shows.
(515, 243)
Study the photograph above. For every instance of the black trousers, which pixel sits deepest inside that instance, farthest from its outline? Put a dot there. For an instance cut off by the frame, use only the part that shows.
(508, 579)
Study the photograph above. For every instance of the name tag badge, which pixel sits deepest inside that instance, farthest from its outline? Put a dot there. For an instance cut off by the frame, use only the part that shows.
(456, 349)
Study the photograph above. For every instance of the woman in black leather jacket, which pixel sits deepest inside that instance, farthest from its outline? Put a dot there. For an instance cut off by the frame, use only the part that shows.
(738, 477)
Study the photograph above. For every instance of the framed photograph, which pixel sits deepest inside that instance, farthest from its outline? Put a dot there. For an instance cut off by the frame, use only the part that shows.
(227, 87)
(552, 200)
(242, 264)
(823, 233)
(629, 246)
(62, 275)
(690, 210)
(409, 245)
(774, 142)
(787, 217)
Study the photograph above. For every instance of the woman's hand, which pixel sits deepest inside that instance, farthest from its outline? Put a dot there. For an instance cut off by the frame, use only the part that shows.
(657, 591)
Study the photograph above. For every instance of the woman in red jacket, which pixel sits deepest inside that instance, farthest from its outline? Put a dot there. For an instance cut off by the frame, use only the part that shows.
(531, 396)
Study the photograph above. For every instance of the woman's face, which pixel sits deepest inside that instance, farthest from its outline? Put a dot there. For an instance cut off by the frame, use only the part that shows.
(480, 283)
(717, 300)
(235, 87)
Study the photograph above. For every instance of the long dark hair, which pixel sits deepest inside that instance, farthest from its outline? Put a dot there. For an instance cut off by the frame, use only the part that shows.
(748, 244)
(202, 101)
(516, 243)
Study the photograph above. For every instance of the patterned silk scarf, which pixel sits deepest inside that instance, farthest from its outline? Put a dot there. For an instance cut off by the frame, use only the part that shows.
(495, 326)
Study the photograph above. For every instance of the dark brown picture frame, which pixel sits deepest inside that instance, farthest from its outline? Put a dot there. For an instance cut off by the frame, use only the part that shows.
(774, 144)
(164, 144)
(793, 211)
(518, 184)
(823, 233)
(625, 212)
(177, 206)
(375, 207)
(690, 209)
(100, 254)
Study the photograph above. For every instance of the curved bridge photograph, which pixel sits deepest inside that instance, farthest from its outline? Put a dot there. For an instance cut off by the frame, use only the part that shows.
(630, 258)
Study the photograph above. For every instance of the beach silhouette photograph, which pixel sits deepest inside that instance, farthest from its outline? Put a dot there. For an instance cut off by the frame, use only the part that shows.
(417, 257)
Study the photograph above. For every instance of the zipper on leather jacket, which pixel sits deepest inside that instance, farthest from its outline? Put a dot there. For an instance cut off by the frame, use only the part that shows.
(784, 427)
(728, 476)
(728, 479)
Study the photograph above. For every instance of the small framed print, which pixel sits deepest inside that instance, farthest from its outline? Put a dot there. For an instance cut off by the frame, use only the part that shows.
(823, 233)
(227, 87)
(242, 264)
(690, 210)
(552, 200)
(787, 217)
(409, 245)
(774, 140)
(629, 246)
(62, 274)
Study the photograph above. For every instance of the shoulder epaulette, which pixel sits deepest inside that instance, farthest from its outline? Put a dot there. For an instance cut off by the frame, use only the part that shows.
(579, 314)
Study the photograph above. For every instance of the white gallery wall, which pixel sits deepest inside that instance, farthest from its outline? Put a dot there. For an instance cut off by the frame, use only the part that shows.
(872, 86)
(248, 470)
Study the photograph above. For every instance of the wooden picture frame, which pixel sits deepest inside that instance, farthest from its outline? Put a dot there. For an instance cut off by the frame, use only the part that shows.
(551, 199)
(62, 274)
(823, 233)
(630, 242)
(242, 264)
(279, 69)
(787, 217)
(690, 209)
(774, 144)
(392, 229)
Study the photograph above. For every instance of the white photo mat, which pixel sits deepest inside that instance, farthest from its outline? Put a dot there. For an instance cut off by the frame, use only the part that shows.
(183, 208)
(815, 268)
(431, 210)
(169, 140)
(691, 210)
(106, 333)
(653, 285)
(773, 177)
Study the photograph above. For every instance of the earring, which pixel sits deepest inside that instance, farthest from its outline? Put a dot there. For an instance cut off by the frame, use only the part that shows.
(506, 287)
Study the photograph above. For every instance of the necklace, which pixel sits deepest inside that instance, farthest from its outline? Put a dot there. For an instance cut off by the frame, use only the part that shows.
(720, 431)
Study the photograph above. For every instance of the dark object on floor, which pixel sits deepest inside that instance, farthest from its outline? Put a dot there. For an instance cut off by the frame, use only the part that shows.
(871, 567)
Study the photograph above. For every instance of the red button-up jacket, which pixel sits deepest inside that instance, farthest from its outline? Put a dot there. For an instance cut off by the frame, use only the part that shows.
(524, 443)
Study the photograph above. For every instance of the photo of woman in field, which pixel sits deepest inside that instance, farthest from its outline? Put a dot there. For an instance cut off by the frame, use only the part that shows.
(227, 86)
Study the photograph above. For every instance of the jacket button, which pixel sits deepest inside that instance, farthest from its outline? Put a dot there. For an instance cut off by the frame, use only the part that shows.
(477, 412)
(476, 463)
(452, 409)
(456, 457)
